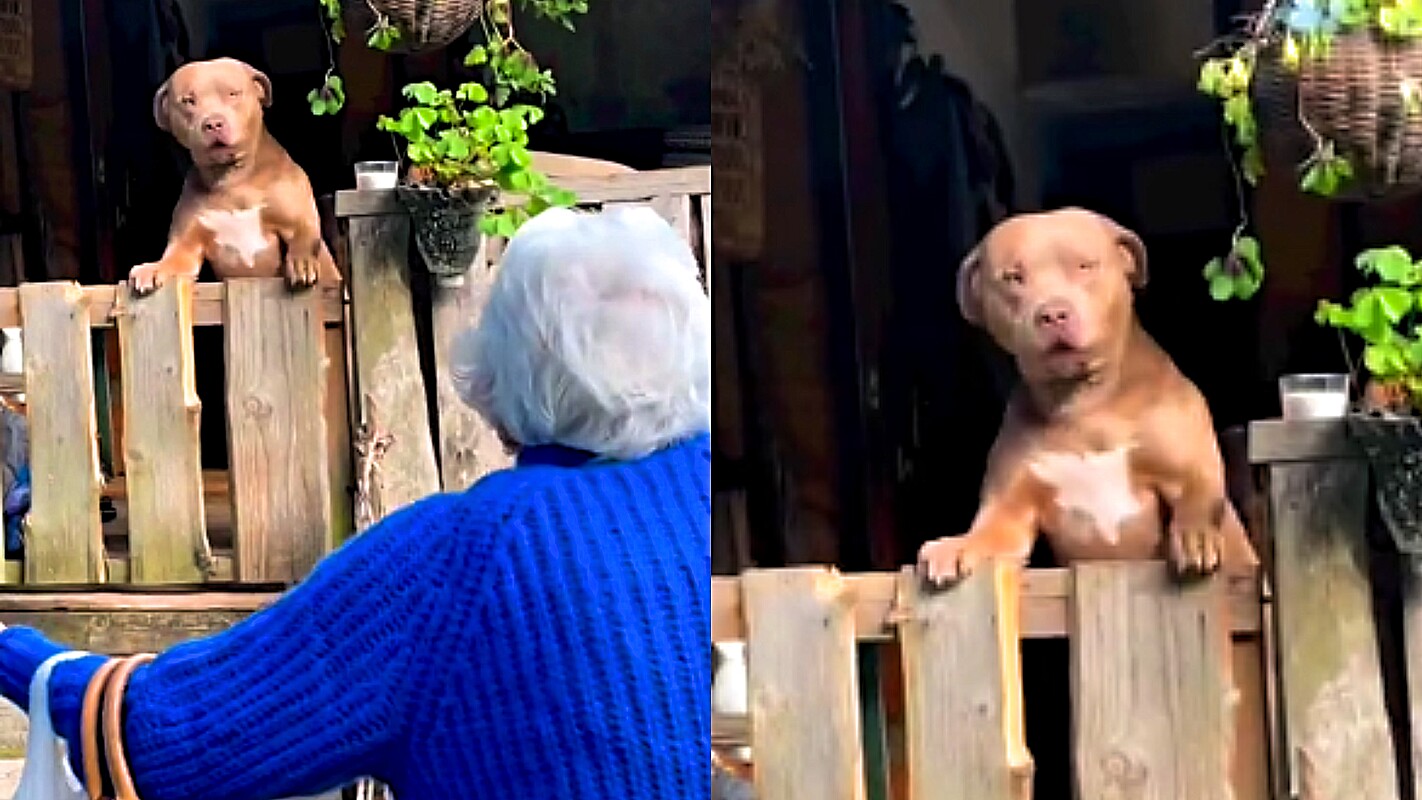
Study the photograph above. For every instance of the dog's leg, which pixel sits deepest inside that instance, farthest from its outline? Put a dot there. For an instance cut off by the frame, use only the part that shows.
(1005, 527)
(181, 259)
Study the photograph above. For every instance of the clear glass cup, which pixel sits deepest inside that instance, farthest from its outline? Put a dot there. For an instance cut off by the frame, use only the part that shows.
(377, 174)
(1314, 396)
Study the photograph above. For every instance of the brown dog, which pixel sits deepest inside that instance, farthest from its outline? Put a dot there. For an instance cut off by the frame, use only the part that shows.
(245, 200)
(1106, 448)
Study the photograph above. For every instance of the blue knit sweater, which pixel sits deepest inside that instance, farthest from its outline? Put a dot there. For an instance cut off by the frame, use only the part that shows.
(542, 636)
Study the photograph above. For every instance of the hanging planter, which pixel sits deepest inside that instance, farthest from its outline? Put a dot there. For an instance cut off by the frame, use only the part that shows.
(422, 26)
(445, 225)
(1330, 90)
(1362, 97)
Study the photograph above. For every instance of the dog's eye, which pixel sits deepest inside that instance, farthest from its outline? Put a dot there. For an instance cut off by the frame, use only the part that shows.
(188, 100)
(1088, 265)
(1014, 278)
(234, 92)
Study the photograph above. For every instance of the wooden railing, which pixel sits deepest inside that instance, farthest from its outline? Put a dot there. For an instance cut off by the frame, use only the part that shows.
(1151, 679)
(279, 482)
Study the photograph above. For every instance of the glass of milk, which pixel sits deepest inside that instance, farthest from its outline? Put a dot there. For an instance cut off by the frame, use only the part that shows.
(1314, 396)
(377, 174)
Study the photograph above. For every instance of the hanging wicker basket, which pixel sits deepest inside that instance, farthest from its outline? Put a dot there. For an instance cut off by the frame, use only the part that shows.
(425, 25)
(1353, 97)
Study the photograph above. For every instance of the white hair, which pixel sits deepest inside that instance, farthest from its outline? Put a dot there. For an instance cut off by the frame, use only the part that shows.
(596, 335)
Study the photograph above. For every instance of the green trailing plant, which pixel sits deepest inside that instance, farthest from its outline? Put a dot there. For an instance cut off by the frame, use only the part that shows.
(330, 96)
(1387, 316)
(475, 136)
(1291, 32)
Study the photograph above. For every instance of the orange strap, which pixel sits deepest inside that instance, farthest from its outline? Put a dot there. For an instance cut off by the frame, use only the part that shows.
(89, 730)
(113, 726)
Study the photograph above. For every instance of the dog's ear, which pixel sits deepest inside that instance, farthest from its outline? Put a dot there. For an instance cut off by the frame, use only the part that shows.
(264, 86)
(160, 106)
(969, 299)
(1138, 270)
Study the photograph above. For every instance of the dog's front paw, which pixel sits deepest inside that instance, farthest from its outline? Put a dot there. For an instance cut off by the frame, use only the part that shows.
(952, 558)
(302, 271)
(1196, 548)
(146, 278)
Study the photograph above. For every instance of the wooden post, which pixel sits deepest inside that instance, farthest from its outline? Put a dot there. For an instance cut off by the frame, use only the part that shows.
(276, 382)
(1152, 698)
(963, 688)
(167, 538)
(387, 359)
(469, 446)
(804, 692)
(65, 542)
(1335, 725)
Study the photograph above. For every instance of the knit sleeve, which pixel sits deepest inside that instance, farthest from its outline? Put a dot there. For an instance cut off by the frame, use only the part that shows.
(304, 696)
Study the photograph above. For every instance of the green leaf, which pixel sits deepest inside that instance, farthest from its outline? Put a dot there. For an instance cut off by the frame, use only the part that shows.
(485, 118)
(1392, 264)
(1393, 303)
(1385, 360)
(476, 56)
(423, 92)
(456, 145)
(1221, 287)
(473, 93)
(1252, 164)
(1214, 267)
(425, 117)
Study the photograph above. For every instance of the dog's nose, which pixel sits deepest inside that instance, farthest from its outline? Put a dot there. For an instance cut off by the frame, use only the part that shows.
(1053, 314)
(213, 124)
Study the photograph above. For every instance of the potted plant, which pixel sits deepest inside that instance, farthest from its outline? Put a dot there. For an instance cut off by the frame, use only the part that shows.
(1329, 88)
(1387, 316)
(469, 144)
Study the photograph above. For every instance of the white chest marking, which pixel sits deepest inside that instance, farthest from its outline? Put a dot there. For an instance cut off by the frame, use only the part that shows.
(1096, 485)
(239, 231)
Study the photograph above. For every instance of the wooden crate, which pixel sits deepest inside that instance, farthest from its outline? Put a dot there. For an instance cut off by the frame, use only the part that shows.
(1151, 678)
(279, 487)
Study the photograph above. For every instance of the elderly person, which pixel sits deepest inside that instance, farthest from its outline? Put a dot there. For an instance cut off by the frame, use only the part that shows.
(540, 636)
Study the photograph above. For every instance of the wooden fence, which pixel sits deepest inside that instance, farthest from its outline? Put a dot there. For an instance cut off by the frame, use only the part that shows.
(1151, 679)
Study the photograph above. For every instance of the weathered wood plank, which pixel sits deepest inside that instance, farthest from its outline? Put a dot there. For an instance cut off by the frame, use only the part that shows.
(207, 304)
(167, 538)
(1335, 721)
(1045, 593)
(632, 186)
(339, 457)
(469, 447)
(390, 384)
(281, 496)
(704, 202)
(65, 542)
(963, 688)
(803, 685)
(676, 210)
(1152, 698)
(1277, 440)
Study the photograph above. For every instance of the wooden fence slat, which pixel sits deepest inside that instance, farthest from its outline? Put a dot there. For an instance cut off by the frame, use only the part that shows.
(166, 536)
(1412, 645)
(704, 202)
(65, 542)
(281, 506)
(963, 688)
(469, 447)
(390, 385)
(1335, 721)
(1152, 697)
(803, 685)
